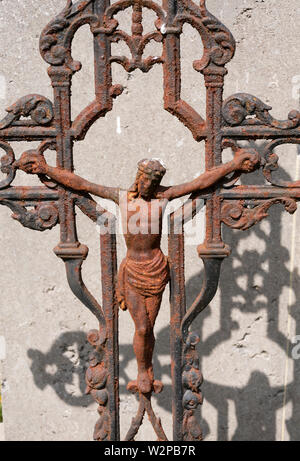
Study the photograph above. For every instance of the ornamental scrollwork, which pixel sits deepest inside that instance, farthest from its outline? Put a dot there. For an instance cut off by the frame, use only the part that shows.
(246, 109)
(241, 215)
(191, 380)
(271, 162)
(96, 379)
(219, 43)
(35, 106)
(51, 47)
(43, 217)
(137, 42)
(7, 165)
(56, 38)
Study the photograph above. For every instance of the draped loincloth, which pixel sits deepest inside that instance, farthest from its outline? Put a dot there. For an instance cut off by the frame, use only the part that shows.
(148, 278)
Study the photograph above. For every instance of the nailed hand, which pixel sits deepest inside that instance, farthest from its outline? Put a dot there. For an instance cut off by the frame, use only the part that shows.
(31, 163)
(247, 160)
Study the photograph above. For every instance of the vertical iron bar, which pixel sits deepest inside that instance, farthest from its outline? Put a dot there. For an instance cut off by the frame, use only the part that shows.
(103, 82)
(61, 82)
(172, 88)
(214, 81)
(178, 308)
(171, 67)
(102, 53)
(111, 310)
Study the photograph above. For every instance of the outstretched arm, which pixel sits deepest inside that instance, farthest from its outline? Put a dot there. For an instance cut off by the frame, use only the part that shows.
(246, 161)
(36, 164)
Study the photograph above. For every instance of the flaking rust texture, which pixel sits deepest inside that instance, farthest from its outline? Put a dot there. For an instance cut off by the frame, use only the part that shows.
(145, 271)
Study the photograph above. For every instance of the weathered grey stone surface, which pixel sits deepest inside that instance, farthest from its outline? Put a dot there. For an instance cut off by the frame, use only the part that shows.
(252, 383)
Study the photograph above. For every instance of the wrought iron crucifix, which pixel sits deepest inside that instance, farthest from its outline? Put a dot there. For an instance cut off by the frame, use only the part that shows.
(140, 282)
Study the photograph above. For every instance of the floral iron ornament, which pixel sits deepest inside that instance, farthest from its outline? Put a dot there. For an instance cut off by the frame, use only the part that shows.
(144, 273)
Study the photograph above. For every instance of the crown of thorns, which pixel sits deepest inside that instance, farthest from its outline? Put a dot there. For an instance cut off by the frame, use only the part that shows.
(152, 167)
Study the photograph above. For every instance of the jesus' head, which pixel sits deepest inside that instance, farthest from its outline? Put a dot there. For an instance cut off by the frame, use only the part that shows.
(149, 175)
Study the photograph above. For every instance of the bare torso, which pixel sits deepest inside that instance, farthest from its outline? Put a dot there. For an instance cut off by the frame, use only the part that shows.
(142, 226)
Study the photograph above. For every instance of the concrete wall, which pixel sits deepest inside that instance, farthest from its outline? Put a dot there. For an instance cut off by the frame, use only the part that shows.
(252, 383)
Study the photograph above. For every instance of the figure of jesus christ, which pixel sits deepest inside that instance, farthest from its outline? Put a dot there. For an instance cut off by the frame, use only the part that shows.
(144, 273)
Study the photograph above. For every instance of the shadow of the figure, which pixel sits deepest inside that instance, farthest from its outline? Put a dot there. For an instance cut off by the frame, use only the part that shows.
(257, 402)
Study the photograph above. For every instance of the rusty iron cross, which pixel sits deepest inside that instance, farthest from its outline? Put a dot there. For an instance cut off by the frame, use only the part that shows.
(144, 273)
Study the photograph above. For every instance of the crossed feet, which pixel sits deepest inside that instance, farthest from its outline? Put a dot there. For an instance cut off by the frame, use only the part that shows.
(145, 383)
